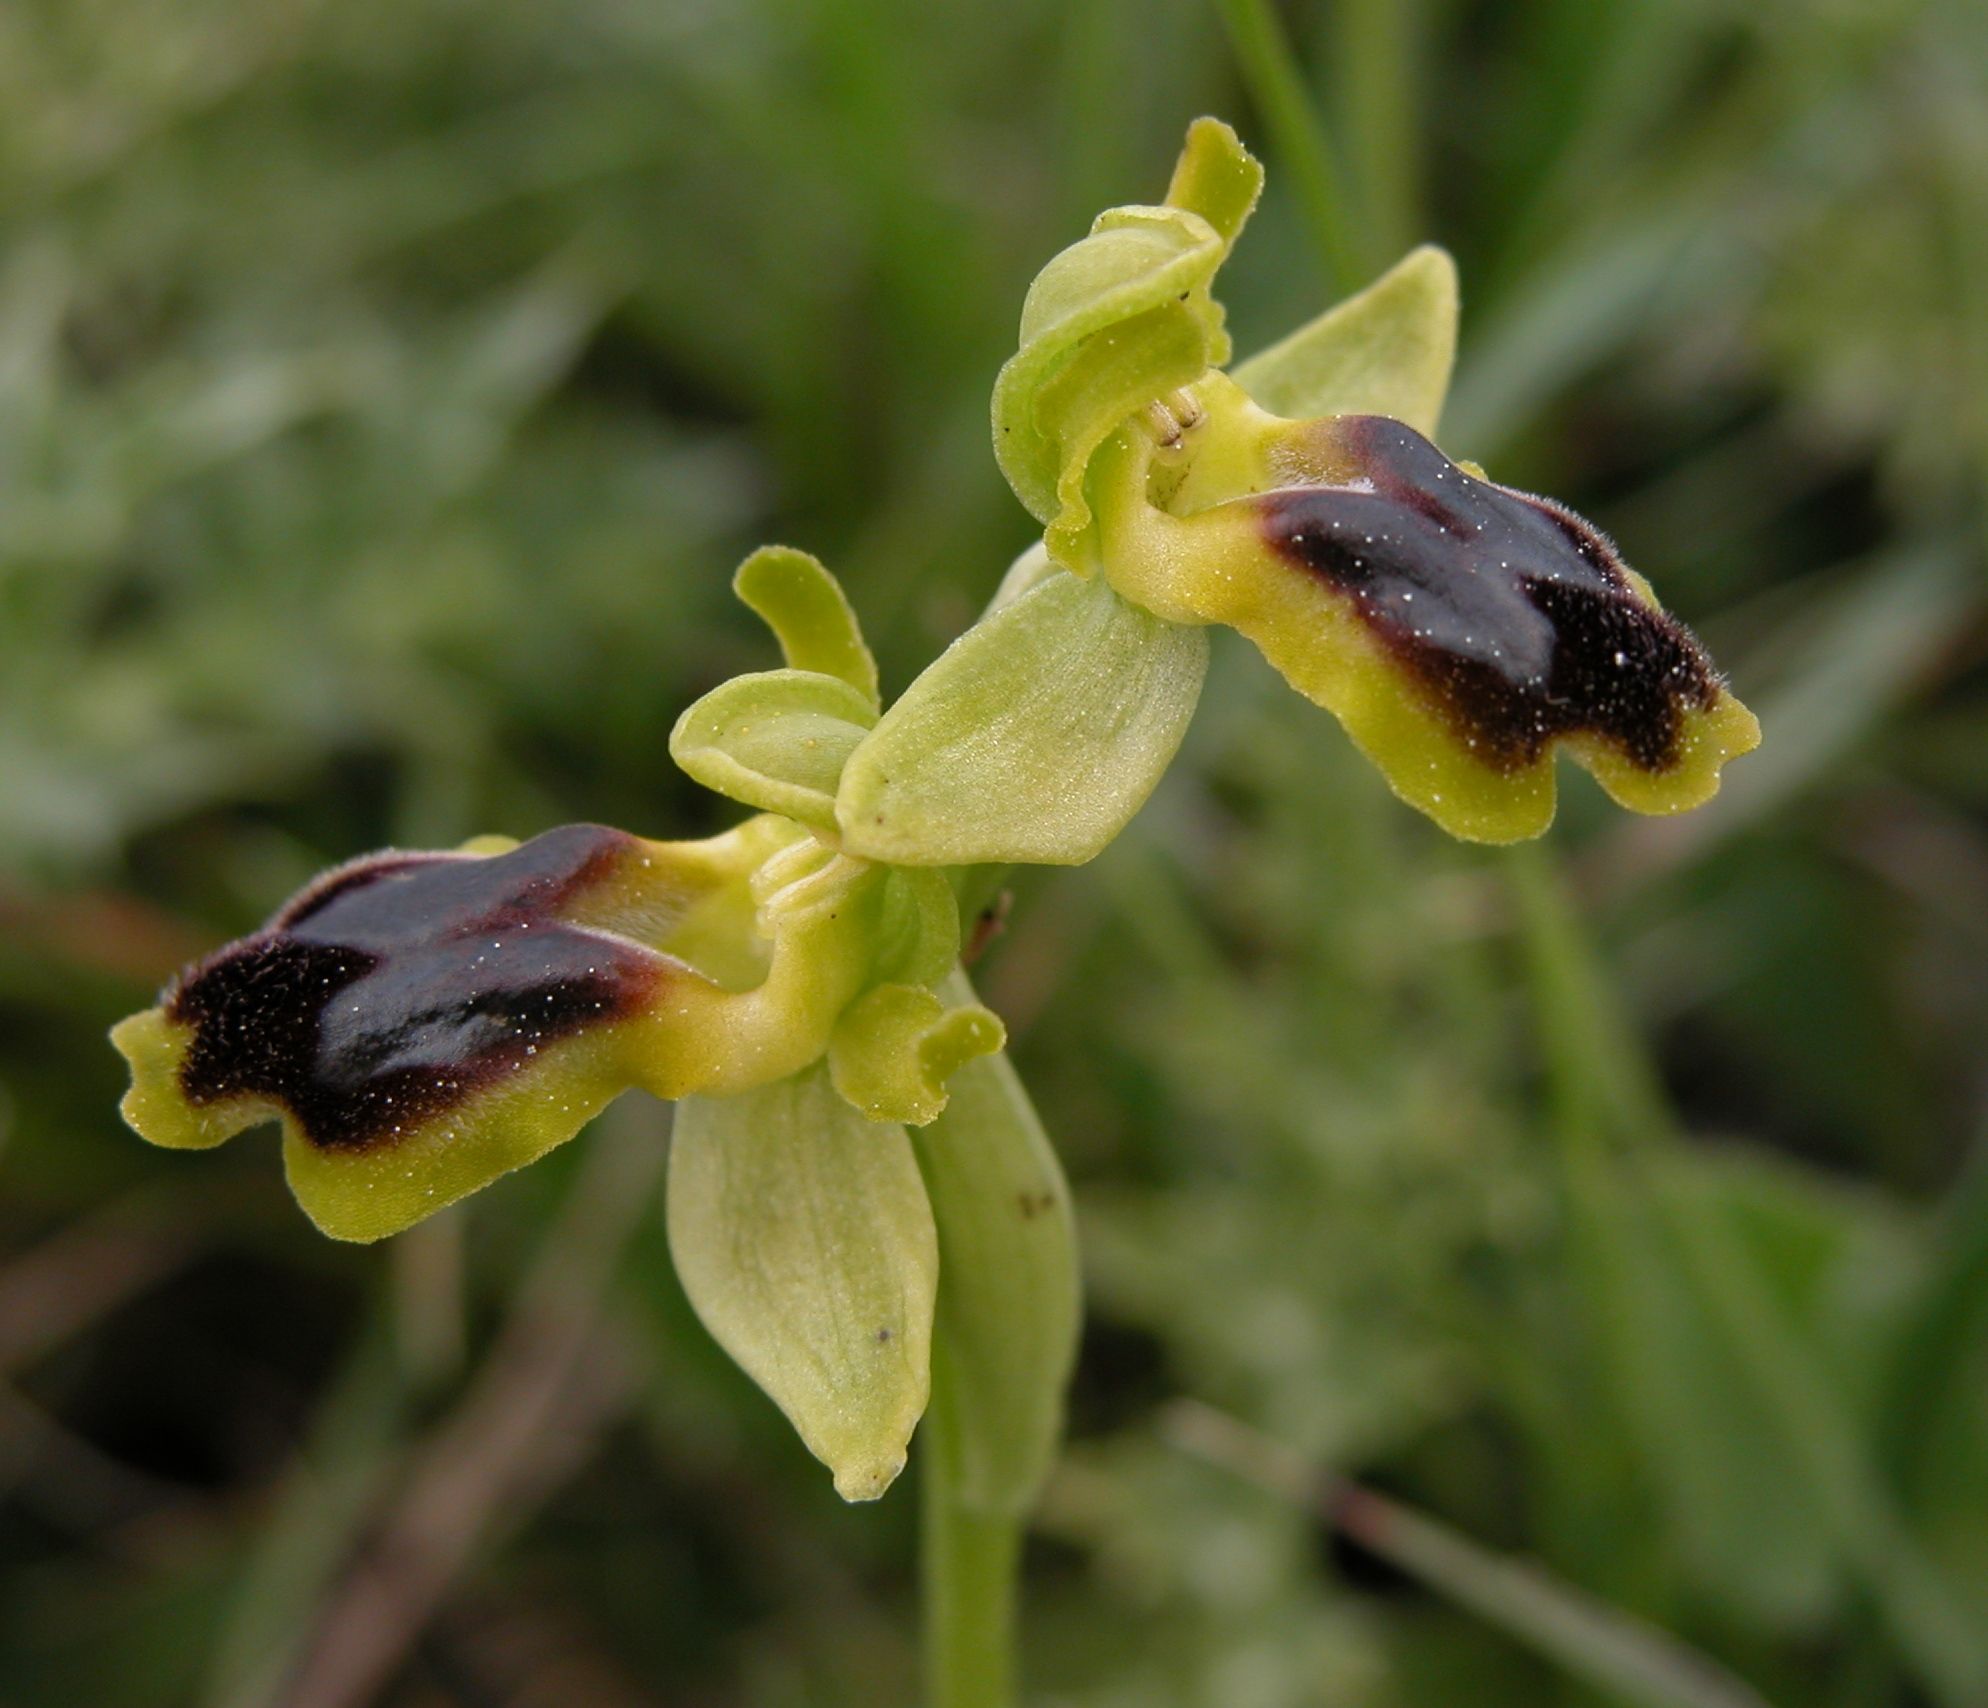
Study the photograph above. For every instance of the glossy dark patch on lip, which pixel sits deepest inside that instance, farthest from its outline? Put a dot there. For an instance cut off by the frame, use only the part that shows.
(393, 988)
(1513, 611)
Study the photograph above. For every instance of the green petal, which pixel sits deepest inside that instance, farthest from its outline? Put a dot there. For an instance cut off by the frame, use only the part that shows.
(776, 740)
(1009, 1288)
(1386, 351)
(1035, 737)
(1114, 323)
(896, 1046)
(809, 614)
(804, 1239)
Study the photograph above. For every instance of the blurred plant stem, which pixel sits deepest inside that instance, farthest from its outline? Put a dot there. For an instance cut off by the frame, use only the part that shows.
(968, 1561)
(1594, 1641)
(428, 1301)
(1276, 84)
(1613, 1124)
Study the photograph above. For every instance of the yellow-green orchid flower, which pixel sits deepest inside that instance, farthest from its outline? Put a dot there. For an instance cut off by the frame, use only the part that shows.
(1462, 632)
(421, 1023)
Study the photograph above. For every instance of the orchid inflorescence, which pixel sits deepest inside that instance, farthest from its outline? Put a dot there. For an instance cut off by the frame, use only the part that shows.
(862, 1205)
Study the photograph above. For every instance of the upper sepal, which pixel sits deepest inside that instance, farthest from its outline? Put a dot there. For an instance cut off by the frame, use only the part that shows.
(1114, 323)
(1458, 629)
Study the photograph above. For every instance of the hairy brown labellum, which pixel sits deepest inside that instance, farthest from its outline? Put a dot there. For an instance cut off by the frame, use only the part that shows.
(1462, 632)
(421, 1023)
(1516, 615)
(401, 984)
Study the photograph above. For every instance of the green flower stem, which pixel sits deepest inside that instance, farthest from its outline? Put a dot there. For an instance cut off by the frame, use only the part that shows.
(968, 1565)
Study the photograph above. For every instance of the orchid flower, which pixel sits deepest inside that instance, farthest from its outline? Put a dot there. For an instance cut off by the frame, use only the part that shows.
(422, 1023)
(862, 1206)
(1462, 632)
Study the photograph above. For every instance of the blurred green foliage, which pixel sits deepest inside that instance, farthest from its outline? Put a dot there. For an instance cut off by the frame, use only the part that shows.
(386, 392)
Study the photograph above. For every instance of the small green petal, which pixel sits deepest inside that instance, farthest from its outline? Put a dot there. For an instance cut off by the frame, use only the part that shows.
(809, 614)
(1386, 351)
(1216, 177)
(1009, 1288)
(805, 1242)
(1035, 737)
(895, 1048)
(776, 740)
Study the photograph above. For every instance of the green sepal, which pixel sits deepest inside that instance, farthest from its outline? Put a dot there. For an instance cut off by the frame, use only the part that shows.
(1115, 322)
(793, 593)
(1010, 1294)
(1034, 737)
(896, 1046)
(776, 740)
(805, 1242)
(1387, 350)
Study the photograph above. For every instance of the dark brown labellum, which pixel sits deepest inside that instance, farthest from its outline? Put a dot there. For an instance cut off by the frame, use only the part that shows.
(395, 987)
(1514, 613)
